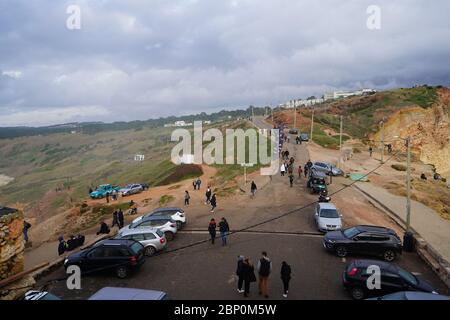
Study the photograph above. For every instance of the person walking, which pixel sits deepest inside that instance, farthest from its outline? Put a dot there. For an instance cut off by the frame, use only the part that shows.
(264, 270)
(199, 183)
(253, 188)
(213, 203)
(300, 171)
(282, 169)
(115, 221)
(26, 226)
(248, 275)
(239, 273)
(285, 277)
(187, 197)
(107, 197)
(370, 151)
(224, 229)
(194, 184)
(120, 218)
(306, 170)
(208, 195)
(291, 180)
(212, 230)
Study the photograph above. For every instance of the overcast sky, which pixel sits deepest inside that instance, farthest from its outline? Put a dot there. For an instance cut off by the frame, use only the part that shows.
(145, 59)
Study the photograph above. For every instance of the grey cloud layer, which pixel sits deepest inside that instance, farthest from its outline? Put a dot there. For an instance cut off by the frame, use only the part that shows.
(141, 59)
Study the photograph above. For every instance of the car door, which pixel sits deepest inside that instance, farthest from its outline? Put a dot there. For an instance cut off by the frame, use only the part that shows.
(114, 257)
(391, 282)
(94, 259)
(149, 239)
(139, 237)
(359, 244)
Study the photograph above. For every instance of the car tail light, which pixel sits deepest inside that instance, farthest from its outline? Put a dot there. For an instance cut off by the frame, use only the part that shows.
(352, 272)
(133, 260)
(162, 240)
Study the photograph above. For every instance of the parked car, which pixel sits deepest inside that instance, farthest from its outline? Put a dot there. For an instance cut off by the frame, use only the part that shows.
(393, 279)
(131, 189)
(103, 190)
(327, 168)
(106, 293)
(164, 223)
(316, 182)
(304, 137)
(367, 240)
(111, 293)
(176, 214)
(122, 256)
(293, 131)
(327, 217)
(412, 295)
(151, 238)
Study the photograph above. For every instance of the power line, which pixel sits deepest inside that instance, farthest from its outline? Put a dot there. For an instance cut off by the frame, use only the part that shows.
(194, 244)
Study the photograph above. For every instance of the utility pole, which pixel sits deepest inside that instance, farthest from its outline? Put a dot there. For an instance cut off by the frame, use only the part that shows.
(382, 140)
(312, 124)
(408, 184)
(295, 116)
(253, 115)
(340, 142)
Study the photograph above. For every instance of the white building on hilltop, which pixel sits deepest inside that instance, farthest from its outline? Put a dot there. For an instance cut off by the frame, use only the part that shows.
(346, 94)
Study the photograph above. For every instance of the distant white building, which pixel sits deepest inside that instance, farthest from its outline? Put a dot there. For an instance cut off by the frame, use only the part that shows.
(139, 157)
(346, 94)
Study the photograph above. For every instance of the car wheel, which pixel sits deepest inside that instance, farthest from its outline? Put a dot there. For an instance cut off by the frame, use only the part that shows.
(341, 251)
(357, 293)
(121, 272)
(150, 251)
(179, 225)
(169, 235)
(389, 255)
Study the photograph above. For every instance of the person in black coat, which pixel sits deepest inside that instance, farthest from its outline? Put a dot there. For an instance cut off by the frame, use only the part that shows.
(248, 274)
(285, 277)
(239, 273)
(115, 221)
(103, 228)
(62, 246)
(212, 230)
(120, 218)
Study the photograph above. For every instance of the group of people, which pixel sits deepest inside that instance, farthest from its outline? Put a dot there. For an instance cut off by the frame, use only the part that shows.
(71, 244)
(196, 184)
(118, 219)
(245, 272)
(210, 198)
(224, 229)
(288, 166)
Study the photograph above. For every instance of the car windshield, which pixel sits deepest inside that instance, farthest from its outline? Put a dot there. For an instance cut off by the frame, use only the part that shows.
(351, 232)
(136, 248)
(135, 224)
(329, 213)
(409, 277)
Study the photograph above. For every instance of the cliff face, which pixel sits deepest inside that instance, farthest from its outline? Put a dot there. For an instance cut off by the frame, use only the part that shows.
(11, 244)
(429, 130)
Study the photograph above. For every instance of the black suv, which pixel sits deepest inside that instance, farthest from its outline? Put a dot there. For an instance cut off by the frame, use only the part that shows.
(392, 279)
(122, 256)
(369, 240)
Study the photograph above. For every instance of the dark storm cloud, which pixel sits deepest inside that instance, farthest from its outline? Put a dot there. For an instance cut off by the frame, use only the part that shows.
(140, 59)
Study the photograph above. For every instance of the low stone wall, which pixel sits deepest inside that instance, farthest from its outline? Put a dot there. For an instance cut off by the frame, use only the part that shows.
(439, 265)
(11, 244)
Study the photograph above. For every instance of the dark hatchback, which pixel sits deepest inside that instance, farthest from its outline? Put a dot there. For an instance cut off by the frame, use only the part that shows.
(392, 279)
(365, 240)
(120, 256)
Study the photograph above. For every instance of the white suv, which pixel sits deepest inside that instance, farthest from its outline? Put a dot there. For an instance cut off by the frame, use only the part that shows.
(177, 214)
(327, 217)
